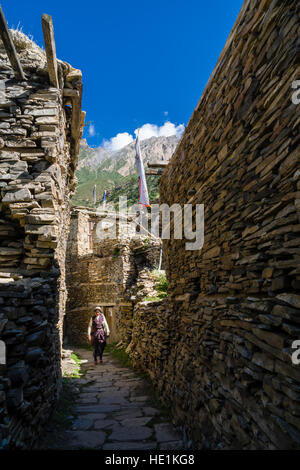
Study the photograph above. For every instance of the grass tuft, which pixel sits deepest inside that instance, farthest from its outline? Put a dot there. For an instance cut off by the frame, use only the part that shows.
(65, 406)
(119, 354)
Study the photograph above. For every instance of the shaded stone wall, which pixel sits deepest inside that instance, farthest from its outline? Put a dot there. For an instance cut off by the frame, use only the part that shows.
(103, 272)
(220, 349)
(38, 156)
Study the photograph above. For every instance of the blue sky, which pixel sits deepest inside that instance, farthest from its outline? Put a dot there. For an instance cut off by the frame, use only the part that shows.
(142, 62)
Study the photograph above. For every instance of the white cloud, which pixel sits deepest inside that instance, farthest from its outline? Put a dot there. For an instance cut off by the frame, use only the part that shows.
(118, 142)
(167, 129)
(145, 132)
(92, 131)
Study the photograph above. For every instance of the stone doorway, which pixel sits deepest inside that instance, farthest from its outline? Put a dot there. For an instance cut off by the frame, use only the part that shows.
(109, 312)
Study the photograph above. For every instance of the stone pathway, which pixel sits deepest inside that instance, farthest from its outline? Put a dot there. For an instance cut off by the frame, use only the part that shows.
(114, 411)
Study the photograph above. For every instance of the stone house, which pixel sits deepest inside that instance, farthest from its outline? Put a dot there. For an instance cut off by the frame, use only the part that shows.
(40, 130)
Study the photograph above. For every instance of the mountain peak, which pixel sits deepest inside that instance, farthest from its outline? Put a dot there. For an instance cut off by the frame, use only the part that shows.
(153, 149)
(116, 171)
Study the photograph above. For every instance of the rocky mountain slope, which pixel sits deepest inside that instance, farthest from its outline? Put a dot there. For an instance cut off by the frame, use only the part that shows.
(116, 172)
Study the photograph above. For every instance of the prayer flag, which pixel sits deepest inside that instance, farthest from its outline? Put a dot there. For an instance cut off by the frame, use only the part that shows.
(95, 194)
(143, 191)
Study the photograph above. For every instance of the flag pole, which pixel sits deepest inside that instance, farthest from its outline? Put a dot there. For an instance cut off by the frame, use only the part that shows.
(143, 190)
(95, 195)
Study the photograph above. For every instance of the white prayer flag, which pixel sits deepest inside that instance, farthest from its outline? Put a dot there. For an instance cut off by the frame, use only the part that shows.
(143, 191)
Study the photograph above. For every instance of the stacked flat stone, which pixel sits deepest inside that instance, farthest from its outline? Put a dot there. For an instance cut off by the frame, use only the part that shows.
(235, 304)
(37, 163)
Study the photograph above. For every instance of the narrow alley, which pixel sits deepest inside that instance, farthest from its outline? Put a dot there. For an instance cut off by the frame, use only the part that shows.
(198, 279)
(114, 410)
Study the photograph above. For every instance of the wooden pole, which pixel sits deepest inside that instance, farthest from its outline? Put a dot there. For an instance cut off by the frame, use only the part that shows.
(48, 33)
(160, 259)
(82, 118)
(10, 47)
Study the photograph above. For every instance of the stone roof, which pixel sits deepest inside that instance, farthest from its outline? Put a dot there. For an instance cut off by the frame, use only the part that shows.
(28, 51)
(33, 57)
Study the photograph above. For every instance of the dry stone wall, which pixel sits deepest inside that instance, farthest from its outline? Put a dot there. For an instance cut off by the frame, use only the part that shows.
(38, 157)
(219, 350)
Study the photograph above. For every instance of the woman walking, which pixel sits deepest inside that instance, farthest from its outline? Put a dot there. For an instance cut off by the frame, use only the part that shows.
(97, 332)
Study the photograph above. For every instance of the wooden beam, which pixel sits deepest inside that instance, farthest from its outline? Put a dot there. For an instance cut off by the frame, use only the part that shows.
(10, 47)
(70, 92)
(155, 172)
(76, 115)
(82, 118)
(48, 32)
(76, 123)
(161, 164)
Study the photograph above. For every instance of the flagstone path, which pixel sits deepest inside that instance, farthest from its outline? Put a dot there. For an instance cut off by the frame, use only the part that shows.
(114, 411)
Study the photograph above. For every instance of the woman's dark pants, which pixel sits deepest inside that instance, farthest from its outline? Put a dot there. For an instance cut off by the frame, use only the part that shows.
(98, 349)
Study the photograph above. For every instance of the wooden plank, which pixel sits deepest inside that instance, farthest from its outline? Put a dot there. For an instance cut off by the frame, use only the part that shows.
(155, 172)
(76, 115)
(10, 47)
(71, 92)
(161, 164)
(50, 48)
(82, 118)
(76, 125)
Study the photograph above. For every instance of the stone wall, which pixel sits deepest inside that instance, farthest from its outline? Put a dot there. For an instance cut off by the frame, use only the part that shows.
(219, 350)
(103, 272)
(38, 157)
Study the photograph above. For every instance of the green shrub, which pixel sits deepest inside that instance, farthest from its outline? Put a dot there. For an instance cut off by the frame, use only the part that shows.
(161, 286)
(116, 252)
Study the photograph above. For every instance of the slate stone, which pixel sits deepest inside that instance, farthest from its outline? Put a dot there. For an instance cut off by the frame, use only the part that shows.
(87, 400)
(21, 196)
(130, 446)
(131, 434)
(97, 408)
(128, 414)
(105, 423)
(36, 338)
(165, 432)
(84, 440)
(82, 424)
(135, 422)
(113, 400)
(150, 411)
(34, 355)
(140, 399)
(174, 445)
(93, 416)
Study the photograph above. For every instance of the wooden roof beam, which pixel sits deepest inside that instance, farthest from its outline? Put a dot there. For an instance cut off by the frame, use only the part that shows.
(50, 48)
(155, 172)
(76, 113)
(82, 118)
(10, 48)
(161, 164)
(77, 123)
